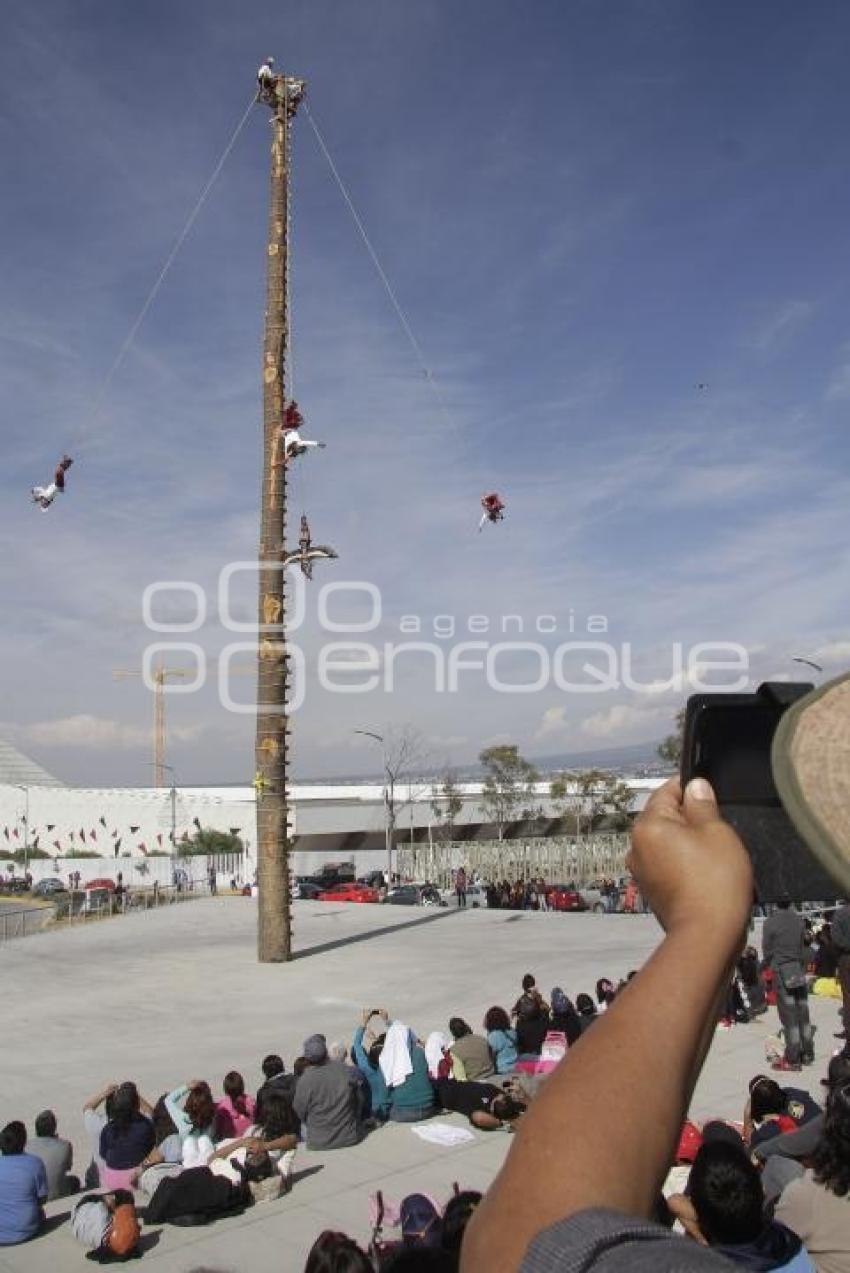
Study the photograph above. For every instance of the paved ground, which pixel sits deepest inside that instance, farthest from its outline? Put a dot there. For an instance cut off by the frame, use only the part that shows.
(175, 994)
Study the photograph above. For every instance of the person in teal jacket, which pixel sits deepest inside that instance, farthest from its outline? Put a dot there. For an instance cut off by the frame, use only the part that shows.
(367, 1064)
(413, 1097)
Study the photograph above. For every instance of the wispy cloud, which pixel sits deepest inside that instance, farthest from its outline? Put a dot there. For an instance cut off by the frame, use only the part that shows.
(774, 331)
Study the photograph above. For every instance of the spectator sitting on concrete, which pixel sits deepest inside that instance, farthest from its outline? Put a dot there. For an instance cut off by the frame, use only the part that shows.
(531, 1028)
(563, 1016)
(326, 1099)
(277, 1135)
(337, 1051)
(94, 1120)
(501, 1039)
(728, 1204)
(275, 1075)
(336, 1253)
(127, 1138)
(236, 1111)
(471, 1058)
(23, 1187)
(405, 1069)
(773, 1110)
(56, 1154)
(366, 1050)
(192, 1110)
(586, 1009)
(529, 993)
(486, 1106)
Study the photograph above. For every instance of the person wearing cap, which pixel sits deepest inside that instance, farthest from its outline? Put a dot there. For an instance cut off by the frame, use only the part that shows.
(327, 1099)
(783, 942)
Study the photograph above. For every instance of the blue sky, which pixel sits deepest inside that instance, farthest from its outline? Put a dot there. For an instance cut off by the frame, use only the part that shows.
(585, 210)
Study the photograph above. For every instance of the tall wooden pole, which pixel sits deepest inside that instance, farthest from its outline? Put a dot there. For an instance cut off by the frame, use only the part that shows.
(274, 936)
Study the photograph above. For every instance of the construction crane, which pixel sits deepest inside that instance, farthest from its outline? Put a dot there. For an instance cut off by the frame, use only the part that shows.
(160, 676)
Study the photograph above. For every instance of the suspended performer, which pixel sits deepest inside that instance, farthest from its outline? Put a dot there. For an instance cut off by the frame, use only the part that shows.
(494, 509)
(293, 443)
(45, 495)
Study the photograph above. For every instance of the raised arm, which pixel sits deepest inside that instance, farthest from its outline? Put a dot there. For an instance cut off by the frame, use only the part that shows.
(599, 1134)
(94, 1102)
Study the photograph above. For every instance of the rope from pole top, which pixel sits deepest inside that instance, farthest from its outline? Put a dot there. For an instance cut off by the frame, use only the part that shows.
(127, 344)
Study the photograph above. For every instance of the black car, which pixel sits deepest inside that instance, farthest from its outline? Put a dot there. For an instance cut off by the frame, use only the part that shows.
(14, 887)
(404, 895)
(308, 889)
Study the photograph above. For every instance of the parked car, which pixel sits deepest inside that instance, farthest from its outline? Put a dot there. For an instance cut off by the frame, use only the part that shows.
(13, 886)
(475, 896)
(306, 890)
(103, 883)
(47, 887)
(563, 897)
(351, 892)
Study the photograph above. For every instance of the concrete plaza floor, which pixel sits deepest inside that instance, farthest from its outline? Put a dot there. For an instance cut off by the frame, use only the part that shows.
(176, 994)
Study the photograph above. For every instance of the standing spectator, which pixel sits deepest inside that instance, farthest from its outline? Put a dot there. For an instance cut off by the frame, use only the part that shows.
(23, 1187)
(213, 880)
(471, 1051)
(326, 1099)
(56, 1154)
(541, 894)
(783, 948)
(460, 886)
(841, 944)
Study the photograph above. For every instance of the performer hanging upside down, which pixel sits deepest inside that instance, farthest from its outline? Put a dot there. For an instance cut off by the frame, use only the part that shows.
(293, 443)
(308, 552)
(45, 495)
(494, 509)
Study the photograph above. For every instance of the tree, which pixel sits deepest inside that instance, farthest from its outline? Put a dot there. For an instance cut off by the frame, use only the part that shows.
(447, 803)
(588, 795)
(509, 786)
(210, 841)
(671, 747)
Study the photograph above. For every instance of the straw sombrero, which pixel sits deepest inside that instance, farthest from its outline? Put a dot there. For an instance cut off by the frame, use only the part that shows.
(811, 768)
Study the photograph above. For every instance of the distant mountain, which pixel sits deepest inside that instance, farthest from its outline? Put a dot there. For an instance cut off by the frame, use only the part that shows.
(643, 755)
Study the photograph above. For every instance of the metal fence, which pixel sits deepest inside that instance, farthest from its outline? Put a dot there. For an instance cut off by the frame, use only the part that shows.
(558, 859)
(23, 922)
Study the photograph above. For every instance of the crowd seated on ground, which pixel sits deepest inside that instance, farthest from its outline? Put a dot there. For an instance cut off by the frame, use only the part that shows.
(771, 1194)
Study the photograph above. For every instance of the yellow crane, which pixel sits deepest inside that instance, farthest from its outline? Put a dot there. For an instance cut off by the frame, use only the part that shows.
(161, 675)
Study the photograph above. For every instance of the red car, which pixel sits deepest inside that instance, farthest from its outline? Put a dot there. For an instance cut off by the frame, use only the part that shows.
(561, 898)
(104, 883)
(352, 892)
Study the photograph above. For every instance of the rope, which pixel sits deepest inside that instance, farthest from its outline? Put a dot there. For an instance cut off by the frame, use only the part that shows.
(382, 274)
(125, 348)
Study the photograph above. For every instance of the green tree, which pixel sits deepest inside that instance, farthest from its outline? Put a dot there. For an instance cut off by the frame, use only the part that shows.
(509, 786)
(447, 804)
(670, 749)
(209, 841)
(589, 795)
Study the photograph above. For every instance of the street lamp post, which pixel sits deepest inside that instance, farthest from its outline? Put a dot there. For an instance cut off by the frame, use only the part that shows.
(389, 800)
